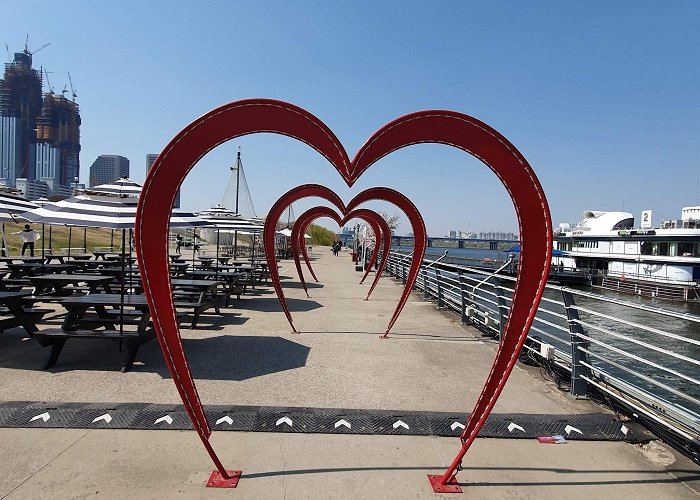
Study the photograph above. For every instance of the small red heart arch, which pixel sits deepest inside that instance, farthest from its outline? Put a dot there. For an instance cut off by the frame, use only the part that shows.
(379, 226)
(265, 115)
(378, 193)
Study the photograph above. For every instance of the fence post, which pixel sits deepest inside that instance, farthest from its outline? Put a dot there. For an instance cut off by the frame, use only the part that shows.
(440, 302)
(424, 273)
(501, 300)
(579, 387)
(463, 296)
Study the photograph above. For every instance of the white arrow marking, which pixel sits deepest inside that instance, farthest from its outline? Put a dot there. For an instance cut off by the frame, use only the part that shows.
(455, 425)
(44, 416)
(569, 428)
(513, 425)
(624, 429)
(166, 418)
(400, 423)
(106, 417)
(226, 419)
(342, 422)
(284, 420)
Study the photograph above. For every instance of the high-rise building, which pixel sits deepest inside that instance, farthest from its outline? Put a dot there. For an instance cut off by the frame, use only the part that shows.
(39, 136)
(20, 105)
(108, 168)
(58, 140)
(150, 160)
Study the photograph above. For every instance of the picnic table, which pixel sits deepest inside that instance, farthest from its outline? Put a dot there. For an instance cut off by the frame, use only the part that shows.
(31, 268)
(19, 258)
(178, 268)
(100, 254)
(18, 315)
(63, 257)
(205, 262)
(236, 282)
(108, 312)
(204, 288)
(76, 324)
(58, 283)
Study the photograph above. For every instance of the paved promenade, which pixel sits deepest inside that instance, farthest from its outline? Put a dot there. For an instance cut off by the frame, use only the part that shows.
(248, 356)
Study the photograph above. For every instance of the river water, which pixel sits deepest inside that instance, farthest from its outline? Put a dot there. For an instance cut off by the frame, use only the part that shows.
(609, 331)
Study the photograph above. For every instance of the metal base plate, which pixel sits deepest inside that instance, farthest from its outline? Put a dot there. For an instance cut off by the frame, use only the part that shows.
(216, 480)
(451, 486)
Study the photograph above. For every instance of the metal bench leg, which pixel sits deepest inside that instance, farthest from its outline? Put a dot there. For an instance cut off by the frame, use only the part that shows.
(56, 348)
(195, 318)
(133, 349)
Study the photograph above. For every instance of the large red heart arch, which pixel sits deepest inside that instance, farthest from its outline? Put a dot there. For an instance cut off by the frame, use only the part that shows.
(265, 115)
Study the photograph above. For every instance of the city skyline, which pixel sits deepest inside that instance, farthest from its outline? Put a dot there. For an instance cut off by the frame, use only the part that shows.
(597, 104)
(39, 132)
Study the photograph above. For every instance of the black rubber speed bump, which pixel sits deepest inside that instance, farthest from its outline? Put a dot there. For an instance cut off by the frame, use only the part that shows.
(589, 426)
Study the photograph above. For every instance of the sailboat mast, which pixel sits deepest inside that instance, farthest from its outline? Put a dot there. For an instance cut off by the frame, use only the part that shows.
(238, 175)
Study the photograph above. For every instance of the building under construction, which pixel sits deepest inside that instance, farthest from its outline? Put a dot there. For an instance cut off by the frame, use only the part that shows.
(39, 134)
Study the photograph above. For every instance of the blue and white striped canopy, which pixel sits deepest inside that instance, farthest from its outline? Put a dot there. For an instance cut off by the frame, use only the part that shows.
(224, 219)
(12, 206)
(121, 187)
(100, 211)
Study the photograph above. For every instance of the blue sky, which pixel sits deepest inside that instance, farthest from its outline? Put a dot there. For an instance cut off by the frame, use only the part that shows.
(602, 98)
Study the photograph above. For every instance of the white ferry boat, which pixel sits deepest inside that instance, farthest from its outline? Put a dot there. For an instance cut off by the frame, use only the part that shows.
(659, 261)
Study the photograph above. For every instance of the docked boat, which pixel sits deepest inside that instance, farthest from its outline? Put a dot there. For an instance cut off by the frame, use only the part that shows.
(659, 261)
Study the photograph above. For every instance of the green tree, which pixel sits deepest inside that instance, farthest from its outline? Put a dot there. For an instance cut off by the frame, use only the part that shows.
(320, 235)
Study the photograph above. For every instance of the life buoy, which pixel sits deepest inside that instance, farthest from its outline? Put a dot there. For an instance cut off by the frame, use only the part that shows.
(622, 277)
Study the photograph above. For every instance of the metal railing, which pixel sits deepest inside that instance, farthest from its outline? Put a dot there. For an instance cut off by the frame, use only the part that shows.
(637, 357)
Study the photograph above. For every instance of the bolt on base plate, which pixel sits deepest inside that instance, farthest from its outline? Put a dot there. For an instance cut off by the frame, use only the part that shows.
(216, 480)
(451, 486)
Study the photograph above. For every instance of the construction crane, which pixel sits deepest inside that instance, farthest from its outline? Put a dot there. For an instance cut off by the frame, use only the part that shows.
(26, 47)
(72, 90)
(48, 82)
(7, 49)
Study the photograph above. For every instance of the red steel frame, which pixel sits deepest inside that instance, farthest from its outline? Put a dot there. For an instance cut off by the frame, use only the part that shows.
(298, 231)
(265, 115)
(377, 223)
(377, 193)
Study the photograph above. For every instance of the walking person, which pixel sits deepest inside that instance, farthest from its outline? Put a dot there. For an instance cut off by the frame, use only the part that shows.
(178, 243)
(28, 237)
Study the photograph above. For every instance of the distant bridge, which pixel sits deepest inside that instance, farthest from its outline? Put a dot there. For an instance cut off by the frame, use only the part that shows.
(493, 243)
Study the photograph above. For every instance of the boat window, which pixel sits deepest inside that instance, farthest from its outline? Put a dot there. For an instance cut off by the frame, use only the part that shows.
(624, 224)
(672, 247)
(696, 253)
(660, 248)
(685, 249)
(646, 248)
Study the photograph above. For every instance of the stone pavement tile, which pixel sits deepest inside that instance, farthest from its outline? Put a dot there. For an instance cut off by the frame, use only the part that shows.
(152, 464)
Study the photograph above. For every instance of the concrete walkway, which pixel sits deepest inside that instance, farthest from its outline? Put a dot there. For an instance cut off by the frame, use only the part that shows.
(247, 356)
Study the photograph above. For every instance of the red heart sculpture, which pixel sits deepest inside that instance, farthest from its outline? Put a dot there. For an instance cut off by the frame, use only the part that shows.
(298, 231)
(379, 193)
(265, 115)
(377, 223)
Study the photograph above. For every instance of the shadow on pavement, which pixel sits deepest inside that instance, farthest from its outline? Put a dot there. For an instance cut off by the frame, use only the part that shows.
(240, 357)
(271, 304)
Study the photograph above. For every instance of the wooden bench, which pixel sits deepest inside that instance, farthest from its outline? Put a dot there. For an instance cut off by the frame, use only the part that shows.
(8, 320)
(56, 338)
